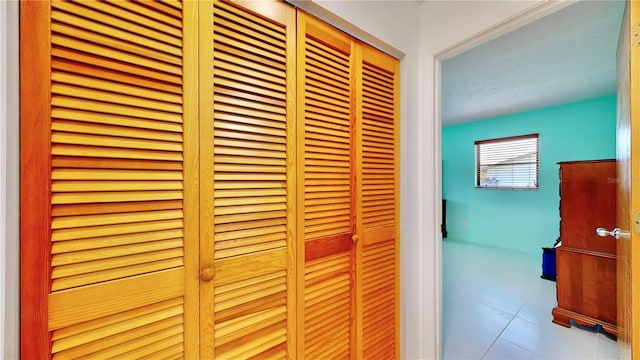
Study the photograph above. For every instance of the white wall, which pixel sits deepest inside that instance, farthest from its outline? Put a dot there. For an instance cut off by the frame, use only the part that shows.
(9, 181)
(446, 23)
(3, 164)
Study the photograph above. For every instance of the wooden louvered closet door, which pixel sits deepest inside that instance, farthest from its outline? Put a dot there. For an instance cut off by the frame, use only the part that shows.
(326, 323)
(108, 131)
(205, 179)
(247, 168)
(377, 203)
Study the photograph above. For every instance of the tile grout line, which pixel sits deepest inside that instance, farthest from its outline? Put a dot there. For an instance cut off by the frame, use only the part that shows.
(506, 326)
(497, 337)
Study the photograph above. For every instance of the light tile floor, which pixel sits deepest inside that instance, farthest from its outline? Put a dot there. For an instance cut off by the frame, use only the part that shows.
(496, 306)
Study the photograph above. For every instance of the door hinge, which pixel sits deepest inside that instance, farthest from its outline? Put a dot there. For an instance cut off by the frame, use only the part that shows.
(635, 35)
(636, 222)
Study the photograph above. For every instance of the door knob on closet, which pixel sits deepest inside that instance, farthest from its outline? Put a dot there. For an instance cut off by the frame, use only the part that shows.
(616, 232)
(207, 274)
(355, 238)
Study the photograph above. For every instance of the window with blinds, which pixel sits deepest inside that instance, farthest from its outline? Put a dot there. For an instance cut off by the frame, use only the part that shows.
(507, 163)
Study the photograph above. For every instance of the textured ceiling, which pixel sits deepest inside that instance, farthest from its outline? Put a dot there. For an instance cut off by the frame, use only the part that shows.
(567, 56)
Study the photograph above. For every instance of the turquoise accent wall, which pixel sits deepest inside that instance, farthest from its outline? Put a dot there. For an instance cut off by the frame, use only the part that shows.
(522, 220)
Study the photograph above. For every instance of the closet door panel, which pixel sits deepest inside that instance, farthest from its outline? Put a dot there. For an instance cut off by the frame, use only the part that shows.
(119, 122)
(205, 179)
(247, 142)
(378, 273)
(326, 216)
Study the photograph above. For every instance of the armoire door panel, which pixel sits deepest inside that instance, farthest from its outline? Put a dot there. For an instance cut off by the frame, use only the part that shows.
(377, 198)
(247, 167)
(120, 116)
(325, 202)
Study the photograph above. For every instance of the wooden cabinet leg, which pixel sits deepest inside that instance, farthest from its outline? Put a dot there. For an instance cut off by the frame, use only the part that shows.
(560, 318)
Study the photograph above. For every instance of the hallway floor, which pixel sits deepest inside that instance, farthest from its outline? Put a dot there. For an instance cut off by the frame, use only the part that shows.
(496, 306)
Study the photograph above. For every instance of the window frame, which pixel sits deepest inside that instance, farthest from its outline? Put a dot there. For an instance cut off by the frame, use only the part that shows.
(478, 164)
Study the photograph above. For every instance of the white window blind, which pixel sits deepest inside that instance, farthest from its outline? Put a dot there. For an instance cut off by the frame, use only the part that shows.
(510, 163)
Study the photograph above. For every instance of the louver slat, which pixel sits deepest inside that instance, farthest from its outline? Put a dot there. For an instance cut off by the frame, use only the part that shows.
(326, 200)
(378, 205)
(119, 117)
(327, 294)
(332, 134)
(250, 118)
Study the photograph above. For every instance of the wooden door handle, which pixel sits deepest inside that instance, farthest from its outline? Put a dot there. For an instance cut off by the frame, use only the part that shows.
(207, 274)
(355, 238)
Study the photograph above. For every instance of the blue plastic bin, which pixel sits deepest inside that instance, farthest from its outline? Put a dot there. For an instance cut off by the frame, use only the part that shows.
(549, 264)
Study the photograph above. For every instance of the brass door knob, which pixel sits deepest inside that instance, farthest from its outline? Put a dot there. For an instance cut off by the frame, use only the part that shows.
(207, 274)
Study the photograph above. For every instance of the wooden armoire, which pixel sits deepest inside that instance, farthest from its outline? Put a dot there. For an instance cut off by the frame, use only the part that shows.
(205, 179)
(586, 263)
